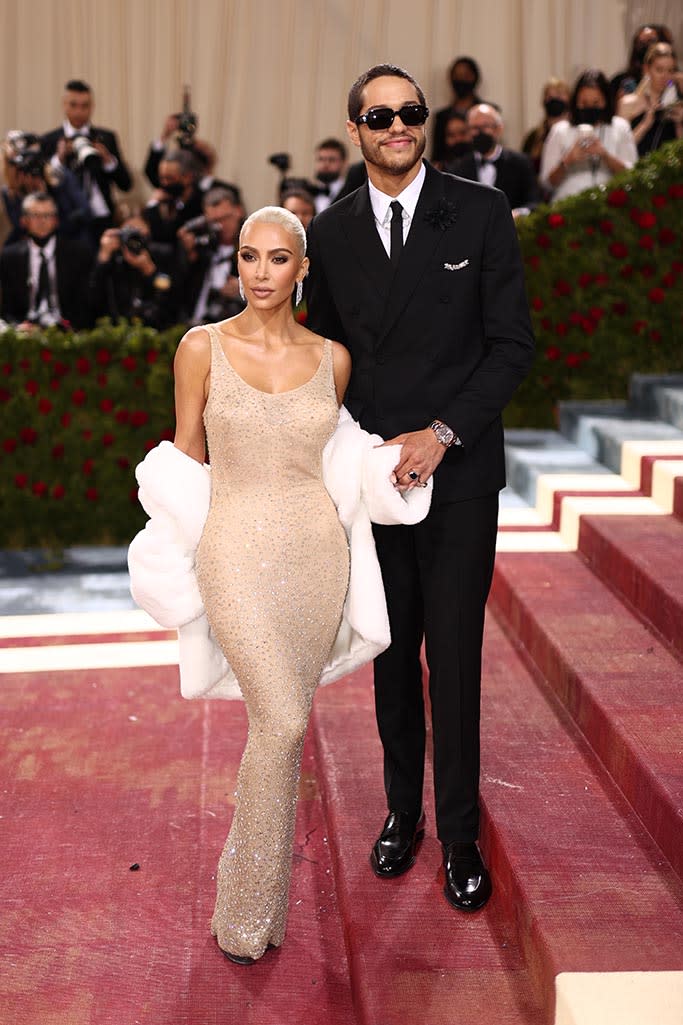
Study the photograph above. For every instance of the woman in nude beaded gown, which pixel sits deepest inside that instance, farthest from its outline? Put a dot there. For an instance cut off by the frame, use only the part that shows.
(273, 561)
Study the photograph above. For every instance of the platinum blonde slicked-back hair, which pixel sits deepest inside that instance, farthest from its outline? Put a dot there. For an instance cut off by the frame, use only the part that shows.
(284, 218)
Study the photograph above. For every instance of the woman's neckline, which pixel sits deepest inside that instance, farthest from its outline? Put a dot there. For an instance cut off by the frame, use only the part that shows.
(262, 391)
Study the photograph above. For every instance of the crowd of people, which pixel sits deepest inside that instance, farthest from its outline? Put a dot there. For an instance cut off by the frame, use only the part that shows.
(173, 260)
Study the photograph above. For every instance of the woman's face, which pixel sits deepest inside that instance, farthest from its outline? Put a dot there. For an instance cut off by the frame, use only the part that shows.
(301, 208)
(269, 264)
(661, 71)
(590, 96)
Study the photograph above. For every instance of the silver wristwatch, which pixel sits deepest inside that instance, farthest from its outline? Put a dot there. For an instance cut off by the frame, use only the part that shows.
(444, 434)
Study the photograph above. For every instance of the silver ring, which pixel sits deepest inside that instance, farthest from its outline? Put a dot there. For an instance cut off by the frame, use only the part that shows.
(413, 475)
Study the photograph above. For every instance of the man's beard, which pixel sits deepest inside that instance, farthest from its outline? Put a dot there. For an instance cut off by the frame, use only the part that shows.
(406, 164)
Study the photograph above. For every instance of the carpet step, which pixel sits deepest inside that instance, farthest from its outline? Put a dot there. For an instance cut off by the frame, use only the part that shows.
(413, 960)
(640, 557)
(621, 686)
(585, 885)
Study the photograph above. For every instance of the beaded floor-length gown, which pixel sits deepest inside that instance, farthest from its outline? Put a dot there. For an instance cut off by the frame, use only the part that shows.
(272, 566)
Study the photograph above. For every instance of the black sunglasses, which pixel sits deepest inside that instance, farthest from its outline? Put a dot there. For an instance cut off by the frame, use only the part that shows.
(380, 118)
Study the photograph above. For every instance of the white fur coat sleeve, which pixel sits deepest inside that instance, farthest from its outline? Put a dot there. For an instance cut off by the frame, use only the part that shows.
(357, 475)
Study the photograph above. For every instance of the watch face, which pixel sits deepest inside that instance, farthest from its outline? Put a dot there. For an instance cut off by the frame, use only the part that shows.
(444, 434)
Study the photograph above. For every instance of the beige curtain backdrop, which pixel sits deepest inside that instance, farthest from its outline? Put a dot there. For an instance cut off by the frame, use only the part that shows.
(272, 75)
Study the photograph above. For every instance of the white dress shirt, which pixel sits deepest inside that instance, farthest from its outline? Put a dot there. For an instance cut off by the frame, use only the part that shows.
(616, 137)
(215, 278)
(486, 169)
(98, 205)
(381, 207)
(333, 189)
(47, 312)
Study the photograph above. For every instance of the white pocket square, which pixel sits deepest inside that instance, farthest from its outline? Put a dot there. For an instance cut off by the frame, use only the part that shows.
(456, 266)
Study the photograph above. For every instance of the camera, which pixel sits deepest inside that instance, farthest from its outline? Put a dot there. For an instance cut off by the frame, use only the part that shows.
(206, 234)
(30, 161)
(187, 122)
(85, 154)
(133, 240)
(280, 160)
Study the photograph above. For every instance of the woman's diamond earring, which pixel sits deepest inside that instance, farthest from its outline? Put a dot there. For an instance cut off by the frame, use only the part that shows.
(241, 288)
(299, 292)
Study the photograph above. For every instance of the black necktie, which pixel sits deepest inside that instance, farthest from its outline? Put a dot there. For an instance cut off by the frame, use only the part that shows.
(43, 292)
(396, 232)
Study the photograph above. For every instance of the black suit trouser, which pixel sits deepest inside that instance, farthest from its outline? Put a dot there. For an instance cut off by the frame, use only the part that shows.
(437, 577)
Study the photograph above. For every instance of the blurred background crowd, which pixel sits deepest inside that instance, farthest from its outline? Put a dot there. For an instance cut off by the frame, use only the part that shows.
(77, 247)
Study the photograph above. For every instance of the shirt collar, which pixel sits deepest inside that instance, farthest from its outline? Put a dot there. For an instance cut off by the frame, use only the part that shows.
(494, 156)
(48, 249)
(381, 203)
(70, 131)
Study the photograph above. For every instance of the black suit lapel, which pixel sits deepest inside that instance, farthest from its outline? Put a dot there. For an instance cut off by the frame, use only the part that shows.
(423, 240)
(24, 278)
(361, 230)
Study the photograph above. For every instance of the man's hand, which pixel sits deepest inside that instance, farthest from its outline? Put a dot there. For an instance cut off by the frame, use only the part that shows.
(107, 157)
(142, 262)
(109, 244)
(64, 151)
(187, 241)
(421, 454)
(171, 125)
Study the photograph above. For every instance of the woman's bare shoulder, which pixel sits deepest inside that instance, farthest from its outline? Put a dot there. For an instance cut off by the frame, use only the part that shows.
(195, 347)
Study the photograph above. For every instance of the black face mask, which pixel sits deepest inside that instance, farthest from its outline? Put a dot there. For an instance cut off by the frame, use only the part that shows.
(175, 190)
(591, 115)
(483, 142)
(462, 87)
(41, 242)
(457, 150)
(327, 177)
(554, 107)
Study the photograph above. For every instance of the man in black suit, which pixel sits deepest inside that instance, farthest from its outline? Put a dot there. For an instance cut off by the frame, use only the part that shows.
(43, 277)
(419, 274)
(493, 164)
(203, 152)
(91, 153)
(178, 198)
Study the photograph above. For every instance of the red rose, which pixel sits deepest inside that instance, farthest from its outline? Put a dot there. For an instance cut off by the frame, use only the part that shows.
(87, 434)
(92, 494)
(60, 368)
(88, 467)
(5, 395)
(546, 324)
(667, 236)
(537, 302)
(45, 355)
(638, 326)
(7, 369)
(606, 227)
(561, 329)
(82, 365)
(590, 230)
(602, 278)
(44, 406)
(575, 317)
(555, 220)
(106, 405)
(122, 416)
(123, 462)
(58, 491)
(584, 356)
(543, 241)
(655, 335)
(39, 488)
(107, 439)
(620, 308)
(596, 313)
(626, 271)
(9, 444)
(585, 279)
(618, 250)
(534, 262)
(617, 197)
(677, 266)
(57, 451)
(65, 419)
(676, 190)
(562, 287)
(152, 356)
(102, 380)
(129, 363)
(647, 220)
(28, 435)
(659, 201)
(552, 352)
(573, 359)
(55, 384)
(656, 295)
(78, 397)
(103, 357)
(139, 417)
(31, 387)
(647, 270)
(669, 280)
(646, 242)
(21, 480)
(587, 325)
(150, 444)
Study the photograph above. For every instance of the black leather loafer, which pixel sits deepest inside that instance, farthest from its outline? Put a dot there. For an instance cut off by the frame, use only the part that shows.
(468, 883)
(395, 849)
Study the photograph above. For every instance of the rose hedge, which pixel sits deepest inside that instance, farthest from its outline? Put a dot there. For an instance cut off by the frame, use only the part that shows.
(604, 276)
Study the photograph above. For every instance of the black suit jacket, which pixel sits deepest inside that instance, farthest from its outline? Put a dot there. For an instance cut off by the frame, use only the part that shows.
(118, 290)
(447, 335)
(515, 176)
(120, 176)
(73, 261)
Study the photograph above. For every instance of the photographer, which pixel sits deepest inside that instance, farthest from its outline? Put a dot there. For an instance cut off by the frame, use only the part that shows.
(178, 198)
(91, 153)
(178, 133)
(42, 276)
(134, 277)
(211, 287)
(26, 171)
(330, 171)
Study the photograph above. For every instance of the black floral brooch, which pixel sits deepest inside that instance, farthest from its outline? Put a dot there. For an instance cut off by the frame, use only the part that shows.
(442, 215)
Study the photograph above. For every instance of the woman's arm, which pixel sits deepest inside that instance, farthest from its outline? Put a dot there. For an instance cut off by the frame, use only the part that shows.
(192, 366)
(341, 363)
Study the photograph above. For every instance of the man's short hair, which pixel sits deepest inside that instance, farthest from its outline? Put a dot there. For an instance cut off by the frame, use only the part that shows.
(185, 160)
(77, 85)
(220, 194)
(335, 144)
(30, 201)
(355, 102)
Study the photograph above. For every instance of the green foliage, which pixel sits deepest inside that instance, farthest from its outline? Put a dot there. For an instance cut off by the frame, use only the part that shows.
(604, 276)
(78, 412)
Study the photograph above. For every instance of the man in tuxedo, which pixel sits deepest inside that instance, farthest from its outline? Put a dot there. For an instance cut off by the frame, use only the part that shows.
(43, 277)
(330, 171)
(419, 274)
(178, 198)
(493, 164)
(211, 284)
(98, 166)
